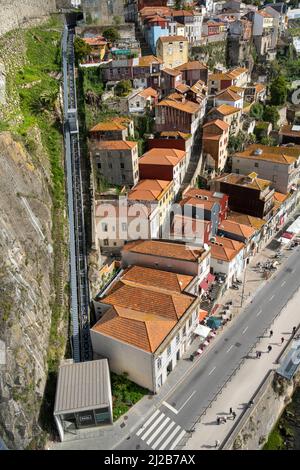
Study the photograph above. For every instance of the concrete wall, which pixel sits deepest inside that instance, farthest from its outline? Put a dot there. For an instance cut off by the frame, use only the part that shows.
(123, 357)
(272, 398)
(17, 13)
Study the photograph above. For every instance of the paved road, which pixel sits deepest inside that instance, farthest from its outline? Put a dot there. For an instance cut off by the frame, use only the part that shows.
(166, 427)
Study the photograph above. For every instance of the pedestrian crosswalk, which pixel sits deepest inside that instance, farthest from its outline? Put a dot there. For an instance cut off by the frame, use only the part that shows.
(161, 432)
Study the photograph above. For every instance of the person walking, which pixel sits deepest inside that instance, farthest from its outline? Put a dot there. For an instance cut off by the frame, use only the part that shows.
(251, 403)
(294, 330)
(218, 420)
(257, 355)
(282, 340)
(269, 348)
(217, 443)
(230, 411)
(271, 333)
(233, 414)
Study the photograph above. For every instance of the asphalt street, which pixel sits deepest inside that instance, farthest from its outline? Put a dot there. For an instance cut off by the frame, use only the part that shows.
(177, 414)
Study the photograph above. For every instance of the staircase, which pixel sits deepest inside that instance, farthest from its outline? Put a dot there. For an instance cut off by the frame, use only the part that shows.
(145, 49)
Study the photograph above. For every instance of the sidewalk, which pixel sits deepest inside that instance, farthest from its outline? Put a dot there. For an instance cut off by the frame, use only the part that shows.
(240, 390)
(102, 438)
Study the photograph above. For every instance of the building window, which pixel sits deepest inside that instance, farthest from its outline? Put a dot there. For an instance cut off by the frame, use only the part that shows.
(177, 339)
(99, 165)
(184, 331)
(124, 226)
(169, 350)
(110, 166)
(256, 164)
(137, 104)
(104, 227)
(158, 362)
(122, 166)
(105, 242)
(123, 177)
(190, 322)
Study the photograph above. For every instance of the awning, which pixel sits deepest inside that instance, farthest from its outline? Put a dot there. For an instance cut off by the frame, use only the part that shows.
(202, 314)
(287, 235)
(202, 331)
(203, 284)
(214, 322)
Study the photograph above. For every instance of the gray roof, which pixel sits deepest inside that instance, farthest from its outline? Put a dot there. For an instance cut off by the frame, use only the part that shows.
(291, 361)
(82, 386)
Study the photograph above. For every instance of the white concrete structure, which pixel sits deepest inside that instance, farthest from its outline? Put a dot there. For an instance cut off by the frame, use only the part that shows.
(227, 257)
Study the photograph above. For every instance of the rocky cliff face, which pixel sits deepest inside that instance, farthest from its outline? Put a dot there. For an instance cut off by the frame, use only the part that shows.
(16, 13)
(26, 264)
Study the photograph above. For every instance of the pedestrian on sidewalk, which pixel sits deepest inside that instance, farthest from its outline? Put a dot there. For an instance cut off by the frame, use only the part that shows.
(294, 330)
(217, 443)
(251, 403)
(230, 411)
(233, 414)
(271, 333)
(269, 348)
(282, 340)
(257, 355)
(218, 420)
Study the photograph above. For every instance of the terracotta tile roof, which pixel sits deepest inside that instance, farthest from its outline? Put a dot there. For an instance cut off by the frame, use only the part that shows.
(196, 202)
(147, 60)
(155, 11)
(288, 130)
(236, 89)
(259, 87)
(162, 156)
(237, 229)
(143, 330)
(228, 95)
(187, 107)
(154, 19)
(200, 193)
(246, 219)
(148, 92)
(237, 71)
(96, 41)
(226, 109)
(182, 13)
(173, 39)
(156, 279)
(182, 135)
(248, 181)
(114, 145)
(216, 122)
(280, 155)
(182, 87)
(175, 96)
(117, 123)
(164, 249)
(225, 249)
(172, 72)
(264, 13)
(280, 197)
(219, 76)
(170, 306)
(149, 190)
(191, 65)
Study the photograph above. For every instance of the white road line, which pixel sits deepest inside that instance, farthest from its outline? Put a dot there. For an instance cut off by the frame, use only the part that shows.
(158, 441)
(170, 437)
(146, 434)
(164, 423)
(170, 407)
(282, 284)
(192, 394)
(245, 330)
(212, 371)
(258, 313)
(272, 297)
(178, 439)
(147, 422)
(229, 349)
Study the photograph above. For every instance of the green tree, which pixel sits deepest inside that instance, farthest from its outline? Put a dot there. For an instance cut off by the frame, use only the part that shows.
(271, 114)
(267, 140)
(238, 142)
(123, 88)
(81, 48)
(111, 34)
(257, 111)
(278, 90)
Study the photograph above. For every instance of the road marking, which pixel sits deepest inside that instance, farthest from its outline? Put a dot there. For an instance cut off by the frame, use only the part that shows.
(192, 394)
(170, 438)
(282, 284)
(177, 440)
(158, 441)
(229, 349)
(170, 407)
(258, 313)
(158, 430)
(272, 297)
(212, 371)
(245, 330)
(162, 416)
(147, 422)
